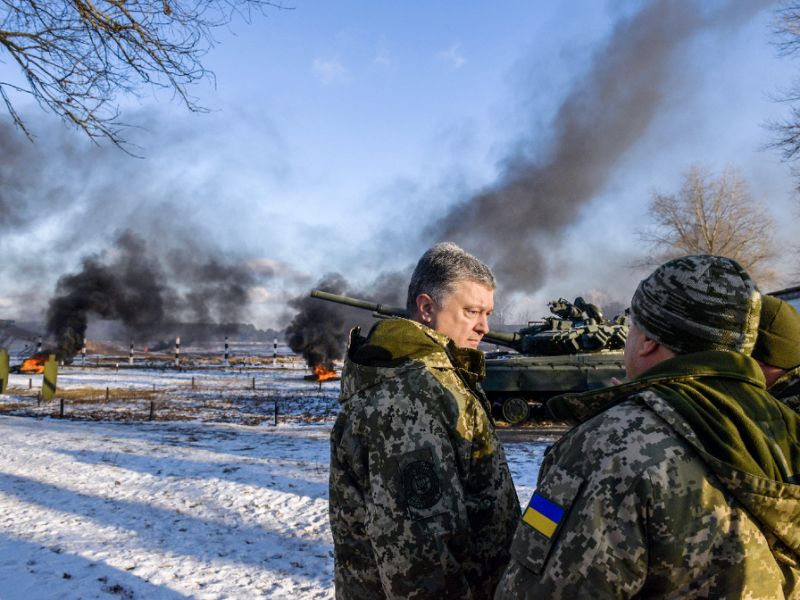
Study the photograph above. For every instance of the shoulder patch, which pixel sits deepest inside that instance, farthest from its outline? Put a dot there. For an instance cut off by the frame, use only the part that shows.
(544, 518)
(543, 515)
(421, 484)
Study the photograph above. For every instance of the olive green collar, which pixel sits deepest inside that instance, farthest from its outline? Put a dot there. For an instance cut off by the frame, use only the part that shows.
(392, 342)
(582, 406)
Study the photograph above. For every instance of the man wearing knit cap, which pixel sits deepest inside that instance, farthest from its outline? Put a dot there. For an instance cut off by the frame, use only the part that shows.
(682, 482)
(777, 349)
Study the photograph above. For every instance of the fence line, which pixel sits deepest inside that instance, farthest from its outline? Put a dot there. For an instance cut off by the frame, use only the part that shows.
(230, 404)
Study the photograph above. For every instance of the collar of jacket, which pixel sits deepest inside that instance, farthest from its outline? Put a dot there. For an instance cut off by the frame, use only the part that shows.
(394, 345)
(580, 407)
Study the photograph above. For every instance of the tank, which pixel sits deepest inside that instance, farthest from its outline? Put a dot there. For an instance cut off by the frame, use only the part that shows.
(575, 349)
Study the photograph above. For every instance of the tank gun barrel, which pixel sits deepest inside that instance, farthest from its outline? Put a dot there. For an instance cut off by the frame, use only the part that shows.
(381, 309)
(510, 340)
(501, 338)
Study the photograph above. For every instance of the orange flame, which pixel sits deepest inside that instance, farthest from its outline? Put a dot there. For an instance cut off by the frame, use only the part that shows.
(33, 365)
(323, 374)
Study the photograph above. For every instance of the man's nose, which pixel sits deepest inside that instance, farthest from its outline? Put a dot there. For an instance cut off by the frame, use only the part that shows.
(482, 326)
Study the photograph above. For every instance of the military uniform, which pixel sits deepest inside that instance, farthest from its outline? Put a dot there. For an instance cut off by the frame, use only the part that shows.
(637, 501)
(422, 504)
(787, 389)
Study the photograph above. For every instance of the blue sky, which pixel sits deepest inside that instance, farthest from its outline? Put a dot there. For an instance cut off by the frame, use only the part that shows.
(338, 131)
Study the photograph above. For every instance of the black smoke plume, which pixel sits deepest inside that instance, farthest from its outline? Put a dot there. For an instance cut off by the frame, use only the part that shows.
(511, 223)
(319, 329)
(146, 289)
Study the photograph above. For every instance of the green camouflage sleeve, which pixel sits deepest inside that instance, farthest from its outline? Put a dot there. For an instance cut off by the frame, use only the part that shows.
(573, 543)
(416, 515)
(625, 508)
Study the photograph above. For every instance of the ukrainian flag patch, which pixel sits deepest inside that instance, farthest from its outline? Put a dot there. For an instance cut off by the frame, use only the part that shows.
(543, 515)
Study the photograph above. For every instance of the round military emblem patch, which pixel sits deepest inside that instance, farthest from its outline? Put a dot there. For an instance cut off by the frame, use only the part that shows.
(421, 484)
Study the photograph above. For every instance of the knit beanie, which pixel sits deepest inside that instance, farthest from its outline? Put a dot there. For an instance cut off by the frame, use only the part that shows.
(778, 342)
(698, 303)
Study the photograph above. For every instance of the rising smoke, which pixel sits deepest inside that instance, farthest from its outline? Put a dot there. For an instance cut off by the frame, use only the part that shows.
(605, 114)
(31, 184)
(147, 288)
(319, 329)
(61, 194)
(510, 223)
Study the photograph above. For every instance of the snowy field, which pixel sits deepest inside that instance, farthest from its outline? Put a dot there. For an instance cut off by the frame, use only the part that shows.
(249, 394)
(209, 500)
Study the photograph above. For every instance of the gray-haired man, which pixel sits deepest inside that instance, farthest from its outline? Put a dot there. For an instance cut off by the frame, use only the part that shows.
(681, 483)
(421, 499)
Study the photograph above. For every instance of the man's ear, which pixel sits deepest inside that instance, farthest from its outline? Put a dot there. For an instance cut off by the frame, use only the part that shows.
(648, 346)
(425, 308)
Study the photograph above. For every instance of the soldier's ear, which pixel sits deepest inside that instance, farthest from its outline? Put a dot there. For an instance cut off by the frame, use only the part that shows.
(648, 346)
(425, 308)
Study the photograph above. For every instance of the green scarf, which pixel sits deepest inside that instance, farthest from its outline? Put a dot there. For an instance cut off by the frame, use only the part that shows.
(722, 397)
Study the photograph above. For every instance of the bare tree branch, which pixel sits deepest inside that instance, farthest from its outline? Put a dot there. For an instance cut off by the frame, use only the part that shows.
(711, 216)
(76, 56)
(787, 32)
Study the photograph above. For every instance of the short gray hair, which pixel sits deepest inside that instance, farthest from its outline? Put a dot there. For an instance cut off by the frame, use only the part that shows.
(440, 268)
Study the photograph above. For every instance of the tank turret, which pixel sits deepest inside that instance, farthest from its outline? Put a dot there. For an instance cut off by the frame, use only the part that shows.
(574, 327)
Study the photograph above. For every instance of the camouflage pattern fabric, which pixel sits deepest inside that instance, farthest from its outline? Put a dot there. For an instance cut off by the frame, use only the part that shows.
(421, 499)
(697, 303)
(787, 389)
(629, 504)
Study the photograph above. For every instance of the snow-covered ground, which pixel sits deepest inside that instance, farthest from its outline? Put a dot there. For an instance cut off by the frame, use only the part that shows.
(175, 508)
(214, 394)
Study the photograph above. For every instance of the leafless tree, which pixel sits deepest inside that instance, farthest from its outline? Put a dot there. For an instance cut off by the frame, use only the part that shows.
(75, 56)
(788, 36)
(712, 215)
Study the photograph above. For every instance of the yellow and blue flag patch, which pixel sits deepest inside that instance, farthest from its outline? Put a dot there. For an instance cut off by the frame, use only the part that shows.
(543, 515)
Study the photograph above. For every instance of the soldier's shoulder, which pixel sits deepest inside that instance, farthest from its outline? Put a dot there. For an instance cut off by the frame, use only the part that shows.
(409, 395)
(628, 433)
(631, 414)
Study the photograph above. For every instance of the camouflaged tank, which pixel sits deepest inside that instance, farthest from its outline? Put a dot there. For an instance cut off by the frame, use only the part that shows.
(574, 350)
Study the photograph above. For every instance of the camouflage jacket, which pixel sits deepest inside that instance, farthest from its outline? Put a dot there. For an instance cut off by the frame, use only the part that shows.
(787, 389)
(421, 499)
(630, 505)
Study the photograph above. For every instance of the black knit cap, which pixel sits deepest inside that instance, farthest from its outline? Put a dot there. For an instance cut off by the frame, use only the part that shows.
(778, 342)
(697, 303)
